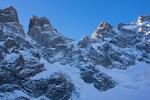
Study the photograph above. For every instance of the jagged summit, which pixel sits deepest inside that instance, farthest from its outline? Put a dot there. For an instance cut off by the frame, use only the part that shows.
(45, 65)
(105, 30)
(41, 22)
(9, 23)
(143, 23)
(41, 30)
(102, 30)
(143, 19)
(8, 15)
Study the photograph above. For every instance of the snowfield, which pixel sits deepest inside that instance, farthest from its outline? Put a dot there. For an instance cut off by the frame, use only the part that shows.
(131, 84)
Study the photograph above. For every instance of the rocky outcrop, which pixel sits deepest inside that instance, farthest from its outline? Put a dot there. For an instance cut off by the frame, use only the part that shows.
(103, 30)
(99, 80)
(57, 87)
(42, 31)
(42, 22)
(85, 41)
(8, 15)
(127, 28)
(143, 19)
(116, 47)
(17, 62)
(143, 24)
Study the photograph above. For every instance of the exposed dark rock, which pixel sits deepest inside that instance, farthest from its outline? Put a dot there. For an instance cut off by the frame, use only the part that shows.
(43, 33)
(143, 19)
(56, 41)
(87, 76)
(121, 27)
(8, 88)
(100, 80)
(5, 75)
(143, 47)
(36, 88)
(30, 70)
(8, 15)
(121, 41)
(36, 21)
(10, 43)
(103, 82)
(85, 41)
(37, 28)
(143, 24)
(103, 30)
(106, 47)
(20, 61)
(57, 87)
(18, 68)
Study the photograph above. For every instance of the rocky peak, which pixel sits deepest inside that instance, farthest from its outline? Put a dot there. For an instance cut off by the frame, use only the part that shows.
(105, 25)
(85, 41)
(8, 15)
(143, 19)
(42, 22)
(143, 23)
(102, 29)
(43, 33)
(38, 25)
(9, 24)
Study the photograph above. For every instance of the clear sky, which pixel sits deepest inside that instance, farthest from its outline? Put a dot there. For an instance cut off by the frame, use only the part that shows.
(75, 18)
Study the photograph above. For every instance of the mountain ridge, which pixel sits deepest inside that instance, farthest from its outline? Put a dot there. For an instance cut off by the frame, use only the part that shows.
(27, 57)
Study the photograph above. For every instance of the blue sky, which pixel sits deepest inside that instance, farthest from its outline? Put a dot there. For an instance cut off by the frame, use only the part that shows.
(75, 18)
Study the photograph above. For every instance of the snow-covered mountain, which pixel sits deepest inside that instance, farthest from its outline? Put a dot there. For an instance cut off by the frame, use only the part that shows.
(111, 64)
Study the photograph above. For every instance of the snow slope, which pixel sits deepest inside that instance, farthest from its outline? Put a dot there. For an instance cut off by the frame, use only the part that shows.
(131, 84)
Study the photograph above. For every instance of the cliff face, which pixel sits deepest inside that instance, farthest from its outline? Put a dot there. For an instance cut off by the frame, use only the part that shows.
(44, 64)
(8, 15)
(20, 60)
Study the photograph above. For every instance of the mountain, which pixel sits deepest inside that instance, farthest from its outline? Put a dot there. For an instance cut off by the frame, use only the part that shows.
(42, 64)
